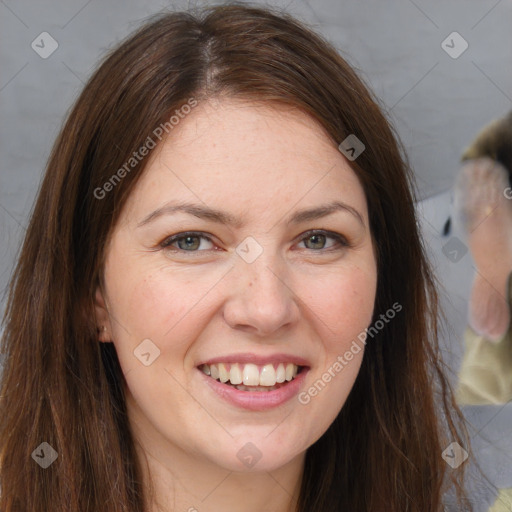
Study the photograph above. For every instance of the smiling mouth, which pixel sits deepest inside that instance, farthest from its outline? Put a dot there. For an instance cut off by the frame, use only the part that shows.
(252, 377)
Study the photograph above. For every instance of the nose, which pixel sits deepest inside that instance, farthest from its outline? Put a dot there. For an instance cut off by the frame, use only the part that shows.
(261, 299)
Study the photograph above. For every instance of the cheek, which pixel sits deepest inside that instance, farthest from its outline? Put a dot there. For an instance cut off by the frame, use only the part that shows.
(150, 301)
(343, 304)
(168, 306)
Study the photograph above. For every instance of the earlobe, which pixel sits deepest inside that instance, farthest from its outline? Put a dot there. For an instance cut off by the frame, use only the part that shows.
(103, 326)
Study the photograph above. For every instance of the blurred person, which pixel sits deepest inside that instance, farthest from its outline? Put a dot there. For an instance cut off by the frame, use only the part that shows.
(483, 206)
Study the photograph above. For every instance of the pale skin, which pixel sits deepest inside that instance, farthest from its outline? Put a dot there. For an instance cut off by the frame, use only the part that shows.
(303, 295)
(486, 214)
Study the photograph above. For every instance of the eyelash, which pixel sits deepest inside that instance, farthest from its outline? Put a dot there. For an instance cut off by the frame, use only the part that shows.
(340, 239)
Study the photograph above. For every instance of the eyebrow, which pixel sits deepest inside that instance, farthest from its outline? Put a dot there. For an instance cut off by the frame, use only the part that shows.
(222, 217)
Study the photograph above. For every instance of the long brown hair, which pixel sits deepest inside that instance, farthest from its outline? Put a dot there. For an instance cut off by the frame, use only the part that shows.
(63, 387)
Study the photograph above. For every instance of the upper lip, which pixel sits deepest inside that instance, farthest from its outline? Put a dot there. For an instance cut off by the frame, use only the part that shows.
(257, 359)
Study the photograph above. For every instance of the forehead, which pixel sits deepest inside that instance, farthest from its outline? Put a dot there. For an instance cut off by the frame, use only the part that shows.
(233, 128)
(232, 151)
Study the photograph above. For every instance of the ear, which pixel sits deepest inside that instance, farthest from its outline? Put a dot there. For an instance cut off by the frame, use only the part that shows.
(103, 325)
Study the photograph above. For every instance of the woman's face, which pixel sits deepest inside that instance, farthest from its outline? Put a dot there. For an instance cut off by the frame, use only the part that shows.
(269, 277)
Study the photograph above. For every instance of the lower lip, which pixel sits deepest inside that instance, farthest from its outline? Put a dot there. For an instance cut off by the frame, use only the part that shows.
(257, 400)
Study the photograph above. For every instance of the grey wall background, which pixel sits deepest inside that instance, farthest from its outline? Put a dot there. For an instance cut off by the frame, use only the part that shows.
(436, 102)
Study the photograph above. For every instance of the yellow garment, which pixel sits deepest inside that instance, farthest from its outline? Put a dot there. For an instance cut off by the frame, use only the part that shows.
(503, 502)
(485, 376)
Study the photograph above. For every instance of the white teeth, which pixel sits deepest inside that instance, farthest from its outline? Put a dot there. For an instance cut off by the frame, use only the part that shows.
(241, 376)
(291, 371)
(281, 373)
(223, 374)
(235, 374)
(251, 375)
(267, 375)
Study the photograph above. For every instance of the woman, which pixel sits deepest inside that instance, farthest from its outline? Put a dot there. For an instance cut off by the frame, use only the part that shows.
(222, 301)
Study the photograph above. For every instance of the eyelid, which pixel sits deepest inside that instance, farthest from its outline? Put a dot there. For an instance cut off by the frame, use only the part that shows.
(338, 237)
(166, 243)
